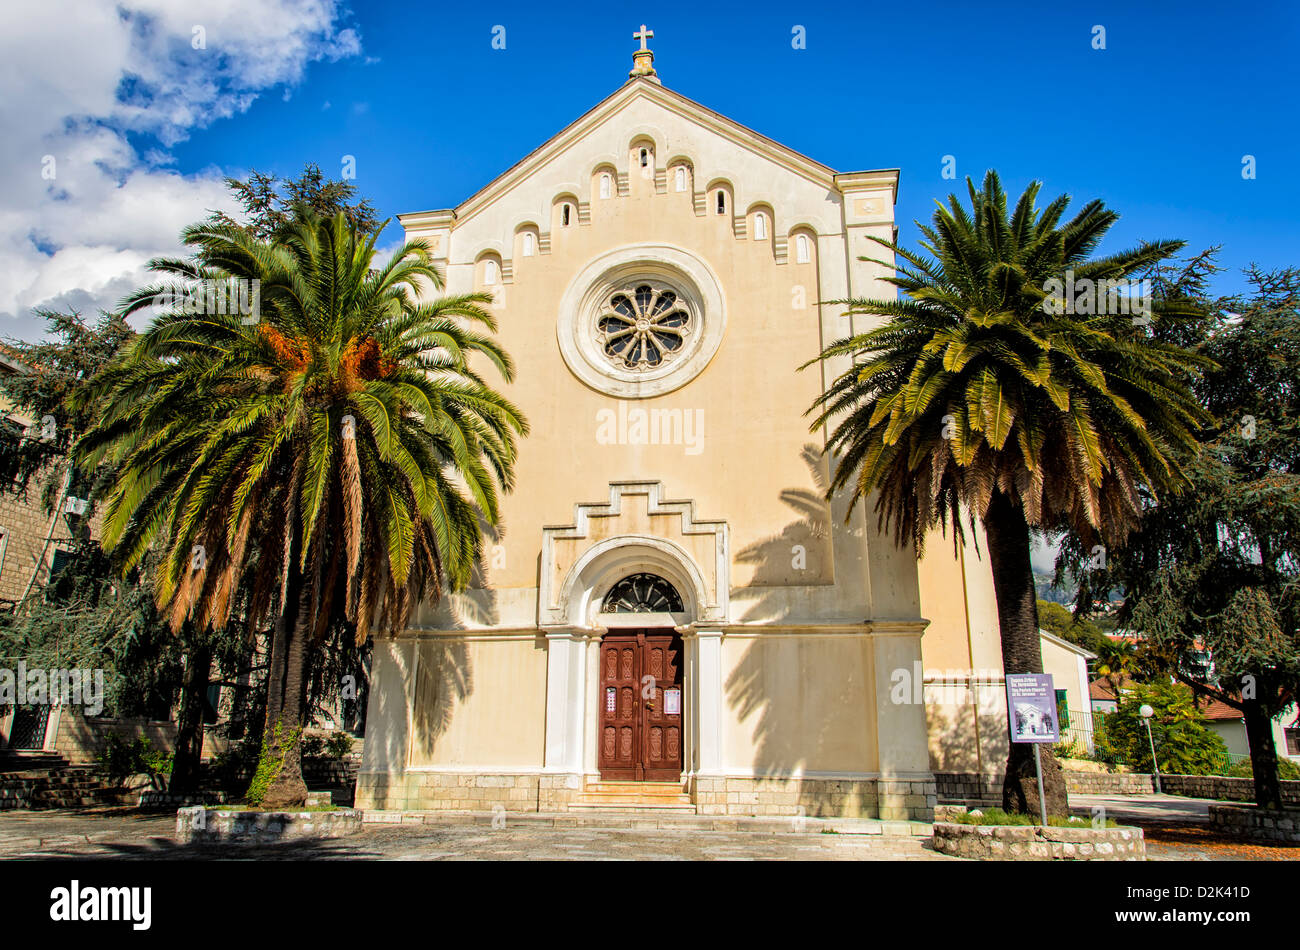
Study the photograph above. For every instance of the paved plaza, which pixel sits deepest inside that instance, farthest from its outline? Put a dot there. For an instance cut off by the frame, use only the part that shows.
(1175, 829)
(144, 837)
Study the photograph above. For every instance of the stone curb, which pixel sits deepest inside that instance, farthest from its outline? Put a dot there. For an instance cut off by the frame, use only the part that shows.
(1038, 843)
(199, 824)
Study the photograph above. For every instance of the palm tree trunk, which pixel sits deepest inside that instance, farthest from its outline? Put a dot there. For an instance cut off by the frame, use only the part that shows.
(1013, 586)
(186, 764)
(284, 703)
(1263, 754)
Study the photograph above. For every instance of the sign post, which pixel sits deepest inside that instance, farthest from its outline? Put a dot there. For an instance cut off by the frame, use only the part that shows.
(1031, 717)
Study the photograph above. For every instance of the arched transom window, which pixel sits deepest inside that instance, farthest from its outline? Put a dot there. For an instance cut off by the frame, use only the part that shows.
(640, 328)
(642, 594)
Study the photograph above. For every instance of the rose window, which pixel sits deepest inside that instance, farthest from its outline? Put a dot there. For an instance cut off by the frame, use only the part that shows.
(643, 328)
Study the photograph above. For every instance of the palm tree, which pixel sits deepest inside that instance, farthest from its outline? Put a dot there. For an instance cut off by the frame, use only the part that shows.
(331, 458)
(983, 391)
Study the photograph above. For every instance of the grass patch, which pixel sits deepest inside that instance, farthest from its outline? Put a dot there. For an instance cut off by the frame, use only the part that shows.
(996, 816)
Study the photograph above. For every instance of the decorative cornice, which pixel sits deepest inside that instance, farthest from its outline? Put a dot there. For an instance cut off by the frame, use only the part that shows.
(847, 182)
(444, 217)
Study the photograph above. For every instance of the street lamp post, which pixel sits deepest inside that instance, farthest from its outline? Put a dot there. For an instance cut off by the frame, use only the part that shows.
(1146, 712)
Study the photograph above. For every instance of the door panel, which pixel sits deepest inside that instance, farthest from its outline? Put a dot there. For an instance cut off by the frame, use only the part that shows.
(620, 723)
(662, 753)
(639, 741)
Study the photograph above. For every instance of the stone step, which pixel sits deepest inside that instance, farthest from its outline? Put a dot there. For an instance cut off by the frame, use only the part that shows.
(608, 798)
(11, 761)
(657, 820)
(633, 807)
(635, 796)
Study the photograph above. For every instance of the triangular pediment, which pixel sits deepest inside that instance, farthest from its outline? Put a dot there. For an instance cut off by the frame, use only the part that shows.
(673, 103)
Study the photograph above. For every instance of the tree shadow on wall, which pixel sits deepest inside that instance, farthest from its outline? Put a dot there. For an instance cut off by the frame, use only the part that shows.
(424, 692)
(807, 716)
(784, 560)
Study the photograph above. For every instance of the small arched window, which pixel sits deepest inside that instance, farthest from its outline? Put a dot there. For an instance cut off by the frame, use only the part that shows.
(802, 249)
(642, 594)
(722, 201)
(565, 215)
(605, 185)
(645, 157)
(681, 177)
(489, 272)
(760, 227)
(530, 244)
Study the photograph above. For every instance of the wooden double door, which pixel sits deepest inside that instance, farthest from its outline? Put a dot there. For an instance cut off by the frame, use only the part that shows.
(641, 701)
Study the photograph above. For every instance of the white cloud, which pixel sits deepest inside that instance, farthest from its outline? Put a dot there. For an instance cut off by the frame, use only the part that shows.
(76, 77)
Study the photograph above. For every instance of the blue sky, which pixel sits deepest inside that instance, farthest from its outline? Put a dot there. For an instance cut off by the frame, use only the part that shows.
(1156, 124)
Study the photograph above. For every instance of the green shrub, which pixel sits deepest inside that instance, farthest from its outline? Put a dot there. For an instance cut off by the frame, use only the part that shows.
(1287, 770)
(313, 746)
(231, 769)
(1185, 745)
(338, 745)
(121, 757)
(1070, 749)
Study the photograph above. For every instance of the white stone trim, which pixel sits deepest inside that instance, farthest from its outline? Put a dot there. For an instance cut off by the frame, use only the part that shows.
(573, 602)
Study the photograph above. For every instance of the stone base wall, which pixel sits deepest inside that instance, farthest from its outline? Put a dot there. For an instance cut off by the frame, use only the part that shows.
(885, 799)
(449, 791)
(1035, 843)
(814, 798)
(1262, 824)
(969, 788)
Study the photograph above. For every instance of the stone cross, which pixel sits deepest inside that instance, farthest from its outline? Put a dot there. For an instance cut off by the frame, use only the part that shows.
(643, 36)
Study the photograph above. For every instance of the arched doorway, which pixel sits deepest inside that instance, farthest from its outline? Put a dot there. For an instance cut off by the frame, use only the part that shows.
(640, 684)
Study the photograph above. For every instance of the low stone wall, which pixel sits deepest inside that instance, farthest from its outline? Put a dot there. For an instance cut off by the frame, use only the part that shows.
(322, 773)
(1223, 788)
(1108, 783)
(968, 788)
(889, 800)
(1036, 843)
(80, 738)
(157, 799)
(15, 795)
(1261, 824)
(199, 825)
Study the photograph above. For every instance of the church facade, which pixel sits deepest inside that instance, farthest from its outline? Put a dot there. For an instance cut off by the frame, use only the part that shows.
(673, 614)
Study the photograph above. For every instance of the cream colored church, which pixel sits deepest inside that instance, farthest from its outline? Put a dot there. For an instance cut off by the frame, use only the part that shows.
(673, 616)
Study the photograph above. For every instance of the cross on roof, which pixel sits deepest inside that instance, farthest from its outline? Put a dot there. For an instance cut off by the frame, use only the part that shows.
(643, 36)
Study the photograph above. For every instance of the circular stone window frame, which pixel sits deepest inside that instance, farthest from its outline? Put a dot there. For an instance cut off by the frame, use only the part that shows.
(663, 265)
